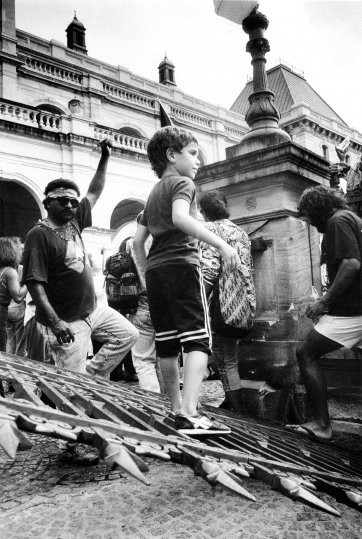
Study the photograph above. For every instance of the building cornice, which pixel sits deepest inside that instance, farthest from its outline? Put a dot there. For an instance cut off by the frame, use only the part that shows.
(9, 59)
(50, 60)
(284, 157)
(266, 216)
(335, 133)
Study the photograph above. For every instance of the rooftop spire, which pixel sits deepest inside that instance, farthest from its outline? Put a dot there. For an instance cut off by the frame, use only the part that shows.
(166, 71)
(76, 35)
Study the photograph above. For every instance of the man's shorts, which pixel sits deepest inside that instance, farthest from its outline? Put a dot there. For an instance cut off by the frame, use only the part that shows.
(178, 309)
(346, 330)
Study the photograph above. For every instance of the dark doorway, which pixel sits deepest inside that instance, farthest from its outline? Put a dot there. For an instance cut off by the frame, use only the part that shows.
(124, 212)
(19, 211)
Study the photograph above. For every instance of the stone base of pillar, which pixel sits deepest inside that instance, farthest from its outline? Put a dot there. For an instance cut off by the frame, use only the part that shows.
(286, 405)
(257, 139)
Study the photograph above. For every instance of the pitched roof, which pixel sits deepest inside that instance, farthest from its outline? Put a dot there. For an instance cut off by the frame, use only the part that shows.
(290, 89)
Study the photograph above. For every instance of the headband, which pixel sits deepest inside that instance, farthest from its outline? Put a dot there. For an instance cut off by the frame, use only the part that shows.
(62, 192)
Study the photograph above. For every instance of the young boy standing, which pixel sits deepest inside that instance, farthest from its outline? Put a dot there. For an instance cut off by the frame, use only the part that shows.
(174, 284)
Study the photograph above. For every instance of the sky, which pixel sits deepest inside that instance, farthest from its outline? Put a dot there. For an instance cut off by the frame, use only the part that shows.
(321, 38)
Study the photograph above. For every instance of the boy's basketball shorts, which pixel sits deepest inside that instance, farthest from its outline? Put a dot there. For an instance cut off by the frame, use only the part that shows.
(178, 309)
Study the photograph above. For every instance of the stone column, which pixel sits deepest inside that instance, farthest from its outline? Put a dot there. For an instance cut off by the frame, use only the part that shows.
(9, 61)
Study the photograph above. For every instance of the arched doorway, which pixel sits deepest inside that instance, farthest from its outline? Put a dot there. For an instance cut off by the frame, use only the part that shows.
(19, 211)
(125, 211)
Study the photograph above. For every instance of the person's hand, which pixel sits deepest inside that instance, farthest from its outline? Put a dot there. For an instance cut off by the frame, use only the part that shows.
(62, 332)
(338, 168)
(106, 145)
(316, 309)
(230, 256)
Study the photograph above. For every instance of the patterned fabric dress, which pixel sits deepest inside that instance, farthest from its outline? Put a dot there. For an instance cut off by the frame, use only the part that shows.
(237, 293)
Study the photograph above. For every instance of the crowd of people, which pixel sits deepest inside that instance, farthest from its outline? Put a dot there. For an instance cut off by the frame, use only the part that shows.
(196, 295)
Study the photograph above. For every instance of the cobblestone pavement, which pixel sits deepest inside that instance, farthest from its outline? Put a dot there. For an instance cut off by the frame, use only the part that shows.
(45, 495)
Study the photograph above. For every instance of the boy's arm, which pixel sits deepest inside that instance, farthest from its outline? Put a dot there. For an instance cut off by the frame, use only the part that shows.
(139, 244)
(189, 225)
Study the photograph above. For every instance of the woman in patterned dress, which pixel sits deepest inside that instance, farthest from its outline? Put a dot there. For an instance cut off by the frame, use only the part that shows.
(213, 207)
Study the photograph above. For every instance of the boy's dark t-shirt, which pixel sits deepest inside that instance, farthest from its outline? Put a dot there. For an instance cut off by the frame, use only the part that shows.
(170, 245)
(343, 239)
(62, 268)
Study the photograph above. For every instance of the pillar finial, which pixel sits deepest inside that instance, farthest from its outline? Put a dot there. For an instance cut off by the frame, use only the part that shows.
(262, 115)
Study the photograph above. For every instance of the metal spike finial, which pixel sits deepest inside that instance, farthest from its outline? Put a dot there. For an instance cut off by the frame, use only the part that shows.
(292, 489)
(8, 438)
(118, 454)
(355, 498)
(214, 474)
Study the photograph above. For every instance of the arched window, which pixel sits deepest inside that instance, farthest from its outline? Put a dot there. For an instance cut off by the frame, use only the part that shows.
(131, 132)
(325, 151)
(46, 107)
(125, 211)
(348, 159)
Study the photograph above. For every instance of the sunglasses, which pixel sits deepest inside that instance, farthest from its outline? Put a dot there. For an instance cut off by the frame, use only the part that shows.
(64, 201)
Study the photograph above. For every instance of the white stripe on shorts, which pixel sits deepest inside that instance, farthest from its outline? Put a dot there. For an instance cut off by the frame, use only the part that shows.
(346, 330)
(173, 331)
(197, 331)
(204, 335)
(205, 305)
(169, 338)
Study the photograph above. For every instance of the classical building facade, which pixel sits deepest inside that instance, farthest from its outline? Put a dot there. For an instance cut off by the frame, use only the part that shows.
(56, 103)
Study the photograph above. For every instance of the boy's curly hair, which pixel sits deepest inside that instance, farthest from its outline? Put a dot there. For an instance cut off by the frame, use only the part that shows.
(165, 138)
(320, 202)
(10, 252)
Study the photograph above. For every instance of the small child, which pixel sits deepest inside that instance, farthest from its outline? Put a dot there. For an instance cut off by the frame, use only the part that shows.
(175, 289)
(10, 288)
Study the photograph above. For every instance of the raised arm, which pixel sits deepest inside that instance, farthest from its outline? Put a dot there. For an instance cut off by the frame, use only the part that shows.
(97, 184)
(189, 225)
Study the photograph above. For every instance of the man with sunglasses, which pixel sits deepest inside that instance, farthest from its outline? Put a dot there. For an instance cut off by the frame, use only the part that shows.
(60, 281)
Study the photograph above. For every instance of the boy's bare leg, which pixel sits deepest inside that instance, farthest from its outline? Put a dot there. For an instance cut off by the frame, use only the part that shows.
(171, 378)
(194, 370)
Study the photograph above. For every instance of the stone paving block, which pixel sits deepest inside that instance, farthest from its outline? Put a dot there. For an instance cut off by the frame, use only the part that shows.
(190, 509)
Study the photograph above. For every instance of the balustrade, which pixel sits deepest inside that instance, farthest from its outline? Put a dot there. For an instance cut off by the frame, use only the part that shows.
(120, 140)
(127, 95)
(52, 70)
(32, 117)
(191, 117)
(234, 133)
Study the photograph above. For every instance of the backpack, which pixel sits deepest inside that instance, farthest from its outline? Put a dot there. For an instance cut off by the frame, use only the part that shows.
(122, 282)
(232, 305)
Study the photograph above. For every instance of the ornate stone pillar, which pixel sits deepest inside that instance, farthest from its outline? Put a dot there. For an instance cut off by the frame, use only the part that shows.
(262, 111)
(262, 115)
